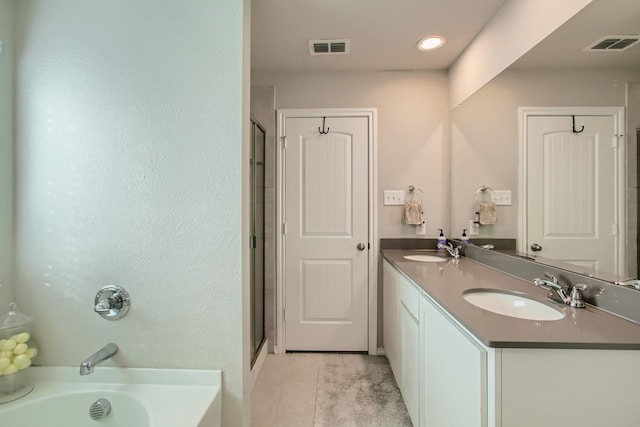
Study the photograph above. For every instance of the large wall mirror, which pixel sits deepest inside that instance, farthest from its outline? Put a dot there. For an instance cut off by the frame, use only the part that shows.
(486, 134)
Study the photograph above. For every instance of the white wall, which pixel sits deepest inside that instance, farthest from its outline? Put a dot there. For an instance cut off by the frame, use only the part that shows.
(129, 171)
(484, 136)
(531, 20)
(6, 152)
(412, 130)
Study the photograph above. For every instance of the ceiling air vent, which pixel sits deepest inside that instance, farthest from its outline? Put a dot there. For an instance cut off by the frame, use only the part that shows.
(330, 47)
(613, 43)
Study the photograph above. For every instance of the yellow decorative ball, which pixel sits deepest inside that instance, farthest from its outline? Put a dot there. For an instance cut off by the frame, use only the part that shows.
(4, 363)
(31, 352)
(8, 345)
(23, 337)
(20, 348)
(22, 361)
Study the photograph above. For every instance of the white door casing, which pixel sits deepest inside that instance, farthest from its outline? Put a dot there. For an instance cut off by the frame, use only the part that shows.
(327, 287)
(572, 186)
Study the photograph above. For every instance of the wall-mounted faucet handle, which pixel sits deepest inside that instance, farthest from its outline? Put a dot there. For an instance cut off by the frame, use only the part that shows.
(112, 302)
(107, 304)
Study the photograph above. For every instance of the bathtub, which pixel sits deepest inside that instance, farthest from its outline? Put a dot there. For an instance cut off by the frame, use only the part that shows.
(138, 398)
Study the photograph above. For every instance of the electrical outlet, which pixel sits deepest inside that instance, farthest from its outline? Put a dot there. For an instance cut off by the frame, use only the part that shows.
(393, 197)
(502, 197)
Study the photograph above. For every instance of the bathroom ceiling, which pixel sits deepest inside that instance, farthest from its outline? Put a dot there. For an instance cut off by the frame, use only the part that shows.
(384, 34)
(565, 47)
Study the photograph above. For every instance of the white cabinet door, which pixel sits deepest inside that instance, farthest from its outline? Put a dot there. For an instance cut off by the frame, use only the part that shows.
(402, 336)
(391, 323)
(410, 355)
(454, 373)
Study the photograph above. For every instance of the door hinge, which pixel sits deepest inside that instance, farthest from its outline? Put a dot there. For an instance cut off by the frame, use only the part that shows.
(284, 142)
(252, 242)
(614, 229)
(284, 228)
(284, 314)
(617, 139)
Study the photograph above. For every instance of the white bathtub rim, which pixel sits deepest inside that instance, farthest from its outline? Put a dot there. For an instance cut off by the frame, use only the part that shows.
(196, 393)
(116, 375)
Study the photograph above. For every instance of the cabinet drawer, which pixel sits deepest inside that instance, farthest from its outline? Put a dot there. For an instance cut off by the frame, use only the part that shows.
(410, 297)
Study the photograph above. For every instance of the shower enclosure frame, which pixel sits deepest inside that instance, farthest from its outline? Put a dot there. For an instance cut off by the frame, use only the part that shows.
(257, 238)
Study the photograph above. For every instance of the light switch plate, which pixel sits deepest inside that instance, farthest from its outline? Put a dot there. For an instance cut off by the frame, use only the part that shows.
(393, 197)
(502, 197)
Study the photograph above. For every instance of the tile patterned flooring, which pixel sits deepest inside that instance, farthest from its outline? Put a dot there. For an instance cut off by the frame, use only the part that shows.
(286, 390)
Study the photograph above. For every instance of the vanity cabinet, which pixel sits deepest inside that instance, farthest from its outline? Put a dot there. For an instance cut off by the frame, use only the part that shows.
(402, 336)
(449, 378)
(391, 319)
(439, 369)
(410, 347)
(453, 370)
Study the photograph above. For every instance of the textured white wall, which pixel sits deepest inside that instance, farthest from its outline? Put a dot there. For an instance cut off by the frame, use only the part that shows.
(129, 171)
(6, 152)
(484, 136)
(413, 130)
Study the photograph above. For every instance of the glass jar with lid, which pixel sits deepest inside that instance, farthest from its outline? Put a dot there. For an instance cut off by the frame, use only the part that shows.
(17, 351)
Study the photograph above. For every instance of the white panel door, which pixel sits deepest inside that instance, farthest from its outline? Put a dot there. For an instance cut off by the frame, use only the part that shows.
(326, 238)
(571, 194)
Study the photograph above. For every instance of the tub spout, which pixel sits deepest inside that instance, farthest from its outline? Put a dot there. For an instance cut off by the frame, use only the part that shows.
(101, 355)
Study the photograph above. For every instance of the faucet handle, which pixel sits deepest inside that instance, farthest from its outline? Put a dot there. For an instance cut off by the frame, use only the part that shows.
(112, 302)
(576, 296)
(551, 277)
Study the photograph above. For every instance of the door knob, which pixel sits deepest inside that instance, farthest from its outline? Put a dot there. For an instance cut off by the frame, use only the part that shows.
(361, 246)
(536, 247)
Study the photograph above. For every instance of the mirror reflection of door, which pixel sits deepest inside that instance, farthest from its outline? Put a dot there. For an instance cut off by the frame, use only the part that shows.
(573, 196)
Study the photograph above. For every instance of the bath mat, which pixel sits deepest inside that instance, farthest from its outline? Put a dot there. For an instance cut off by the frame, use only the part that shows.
(359, 396)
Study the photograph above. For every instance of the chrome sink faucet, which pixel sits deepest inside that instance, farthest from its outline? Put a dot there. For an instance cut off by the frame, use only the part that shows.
(455, 253)
(566, 295)
(631, 283)
(106, 352)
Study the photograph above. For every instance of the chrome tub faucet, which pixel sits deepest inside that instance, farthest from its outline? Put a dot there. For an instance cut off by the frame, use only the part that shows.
(106, 352)
(566, 295)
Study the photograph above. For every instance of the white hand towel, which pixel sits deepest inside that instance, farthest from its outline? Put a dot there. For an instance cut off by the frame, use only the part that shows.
(412, 213)
(488, 213)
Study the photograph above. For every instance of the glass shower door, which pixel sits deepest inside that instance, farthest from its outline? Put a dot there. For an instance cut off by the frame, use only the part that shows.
(257, 238)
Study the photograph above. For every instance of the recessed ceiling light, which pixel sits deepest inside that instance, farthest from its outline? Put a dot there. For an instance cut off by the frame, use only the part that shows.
(431, 42)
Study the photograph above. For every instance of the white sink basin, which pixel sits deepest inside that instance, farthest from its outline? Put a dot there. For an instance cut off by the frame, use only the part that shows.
(511, 304)
(424, 258)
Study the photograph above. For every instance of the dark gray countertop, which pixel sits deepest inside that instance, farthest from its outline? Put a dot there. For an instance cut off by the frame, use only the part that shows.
(586, 328)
